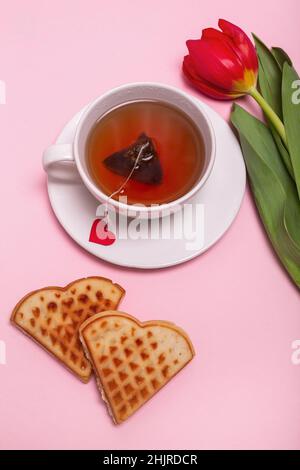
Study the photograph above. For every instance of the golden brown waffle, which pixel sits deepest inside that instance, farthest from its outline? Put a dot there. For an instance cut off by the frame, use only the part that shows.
(52, 317)
(132, 360)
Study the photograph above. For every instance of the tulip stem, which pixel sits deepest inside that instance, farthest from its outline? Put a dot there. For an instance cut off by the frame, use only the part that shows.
(275, 120)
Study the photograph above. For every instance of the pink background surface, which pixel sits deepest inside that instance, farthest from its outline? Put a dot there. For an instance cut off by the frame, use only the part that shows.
(242, 312)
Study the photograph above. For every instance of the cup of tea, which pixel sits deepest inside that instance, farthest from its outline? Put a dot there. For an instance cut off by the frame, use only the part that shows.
(141, 148)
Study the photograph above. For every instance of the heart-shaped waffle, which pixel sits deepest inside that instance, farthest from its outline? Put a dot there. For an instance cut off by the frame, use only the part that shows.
(132, 360)
(52, 317)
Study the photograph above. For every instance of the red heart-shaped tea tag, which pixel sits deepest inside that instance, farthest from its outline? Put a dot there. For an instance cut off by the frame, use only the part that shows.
(100, 233)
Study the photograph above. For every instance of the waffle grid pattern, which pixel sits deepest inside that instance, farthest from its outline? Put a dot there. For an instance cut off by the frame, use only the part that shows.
(133, 363)
(52, 317)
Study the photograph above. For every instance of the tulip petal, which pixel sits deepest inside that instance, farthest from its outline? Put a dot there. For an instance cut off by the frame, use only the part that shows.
(202, 85)
(215, 34)
(241, 44)
(216, 62)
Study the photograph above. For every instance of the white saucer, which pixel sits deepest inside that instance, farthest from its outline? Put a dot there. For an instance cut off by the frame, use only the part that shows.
(221, 197)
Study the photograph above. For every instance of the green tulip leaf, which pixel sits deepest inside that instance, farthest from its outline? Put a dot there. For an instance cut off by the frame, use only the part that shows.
(282, 150)
(292, 220)
(270, 82)
(291, 117)
(273, 189)
(280, 56)
(269, 76)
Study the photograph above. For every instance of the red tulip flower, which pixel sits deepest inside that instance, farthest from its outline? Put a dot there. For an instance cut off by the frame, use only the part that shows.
(224, 65)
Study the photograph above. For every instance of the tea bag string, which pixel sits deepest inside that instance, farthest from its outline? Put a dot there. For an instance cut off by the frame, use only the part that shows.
(126, 180)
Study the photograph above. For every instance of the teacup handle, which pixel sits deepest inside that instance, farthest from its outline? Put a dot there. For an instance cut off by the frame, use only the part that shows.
(57, 153)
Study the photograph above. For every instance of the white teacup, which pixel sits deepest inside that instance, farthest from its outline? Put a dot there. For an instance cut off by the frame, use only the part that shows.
(76, 151)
